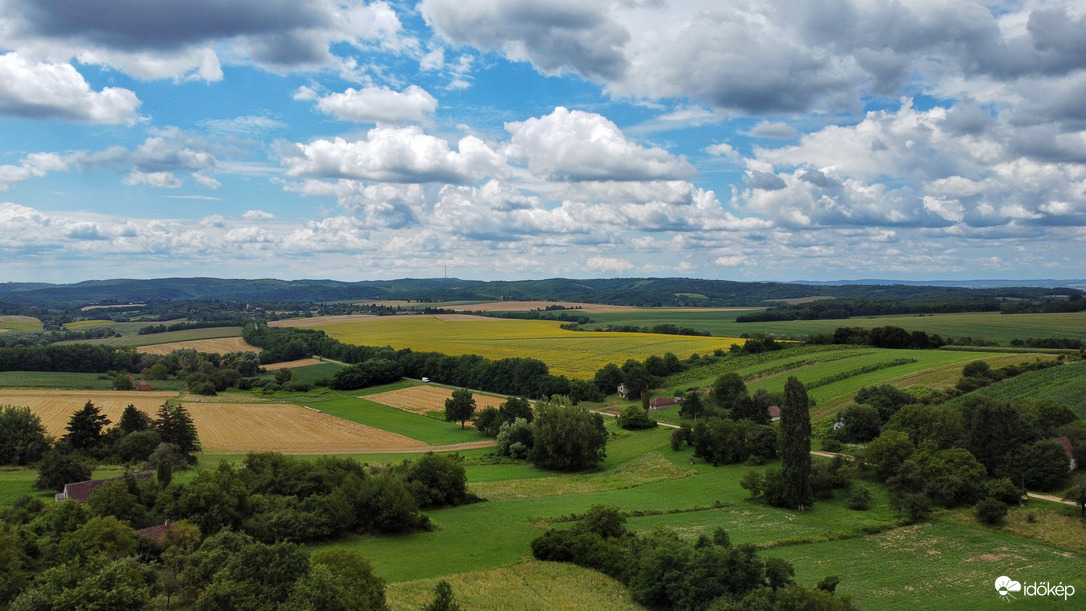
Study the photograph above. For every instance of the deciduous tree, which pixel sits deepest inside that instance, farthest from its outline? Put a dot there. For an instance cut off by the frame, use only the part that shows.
(460, 407)
(567, 437)
(23, 438)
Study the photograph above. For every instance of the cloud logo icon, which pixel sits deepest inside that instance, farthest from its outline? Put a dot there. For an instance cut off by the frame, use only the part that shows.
(1005, 585)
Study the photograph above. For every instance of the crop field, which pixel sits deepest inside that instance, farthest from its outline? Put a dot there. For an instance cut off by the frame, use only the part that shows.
(833, 374)
(19, 323)
(79, 325)
(572, 353)
(291, 429)
(830, 396)
(426, 399)
(993, 326)
(55, 407)
(1063, 384)
(220, 345)
(130, 336)
(292, 364)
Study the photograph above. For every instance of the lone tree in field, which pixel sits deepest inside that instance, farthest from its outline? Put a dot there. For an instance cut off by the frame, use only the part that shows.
(460, 407)
(795, 444)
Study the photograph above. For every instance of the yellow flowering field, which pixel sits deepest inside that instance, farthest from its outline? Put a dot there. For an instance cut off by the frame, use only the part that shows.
(575, 354)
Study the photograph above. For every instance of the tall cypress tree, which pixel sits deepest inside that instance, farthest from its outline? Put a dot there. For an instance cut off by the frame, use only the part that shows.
(795, 443)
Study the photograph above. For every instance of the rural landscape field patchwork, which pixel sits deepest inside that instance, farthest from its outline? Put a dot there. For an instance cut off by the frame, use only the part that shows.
(883, 553)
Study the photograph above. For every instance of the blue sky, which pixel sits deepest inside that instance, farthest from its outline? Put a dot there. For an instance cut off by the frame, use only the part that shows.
(511, 139)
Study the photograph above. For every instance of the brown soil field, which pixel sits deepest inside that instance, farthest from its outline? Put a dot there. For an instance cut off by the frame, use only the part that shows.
(291, 429)
(292, 364)
(14, 318)
(55, 407)
(221, 345)
(424, 399)
(314, 321)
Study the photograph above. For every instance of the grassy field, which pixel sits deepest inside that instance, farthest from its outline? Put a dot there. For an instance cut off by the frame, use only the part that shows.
(20, 323)
(348, 406)
(312, 373)
(1061, 384)
(528, 585)
(570, 353)
(942, 564)
(992, 326)
(49, 379)
(945, 562)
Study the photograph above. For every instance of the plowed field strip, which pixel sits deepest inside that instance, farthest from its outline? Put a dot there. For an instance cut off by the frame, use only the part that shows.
(235, 427)
(292, 364)
(424, 399)
(221, 346)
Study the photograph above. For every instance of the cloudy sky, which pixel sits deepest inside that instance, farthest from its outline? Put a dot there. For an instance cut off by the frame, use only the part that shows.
(512, 139)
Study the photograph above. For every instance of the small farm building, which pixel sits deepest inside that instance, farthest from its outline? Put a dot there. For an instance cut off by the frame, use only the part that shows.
(81, 491)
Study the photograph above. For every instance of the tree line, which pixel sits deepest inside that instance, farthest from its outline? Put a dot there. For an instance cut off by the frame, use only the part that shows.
(830, 309)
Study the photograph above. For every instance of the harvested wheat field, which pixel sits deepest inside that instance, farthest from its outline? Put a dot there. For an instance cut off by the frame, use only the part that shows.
(291, 429)
(221, 345)
(425, 399)
(321, 320)
(55, 407)
(292, 364)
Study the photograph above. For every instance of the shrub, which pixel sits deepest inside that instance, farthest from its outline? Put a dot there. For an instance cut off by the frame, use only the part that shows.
(1003, 490)
(831, 444)
(515, 439)
(859, 499)
(634, 418)
(205, 388)
(679, 436)
(990, 511)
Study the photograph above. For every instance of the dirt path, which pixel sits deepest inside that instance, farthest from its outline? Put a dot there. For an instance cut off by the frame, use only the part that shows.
(452, 447)
(1050, 497)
